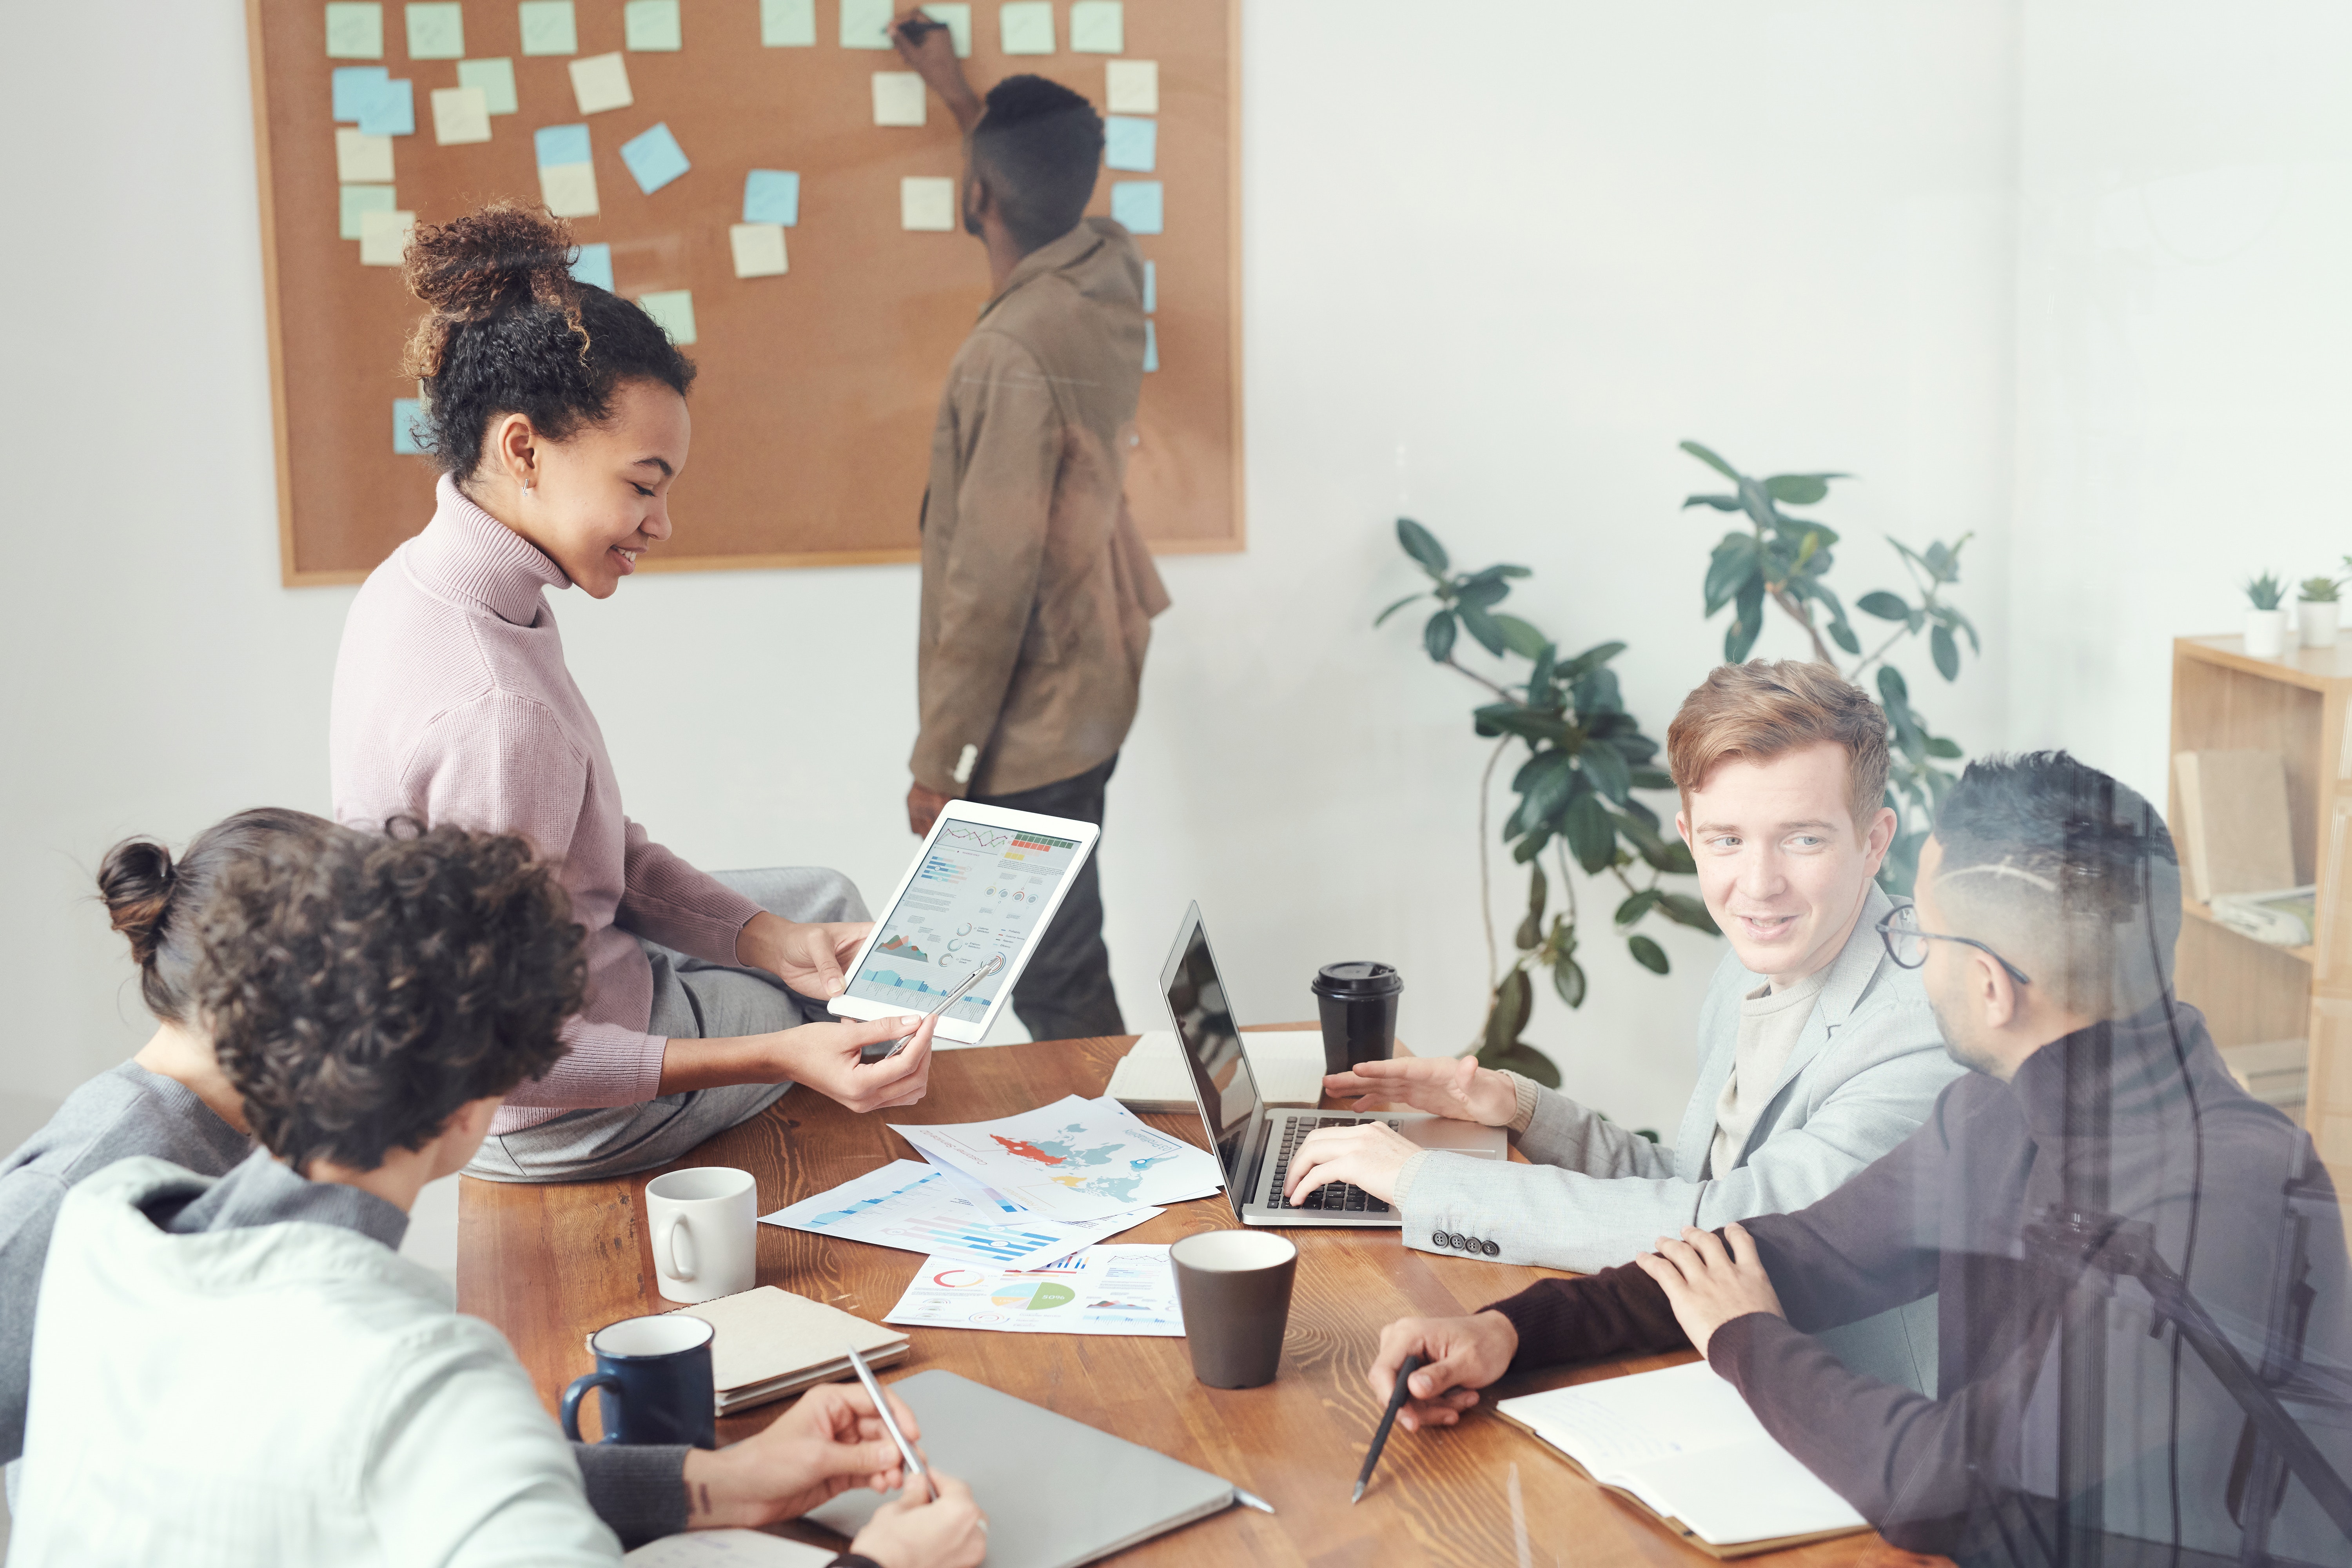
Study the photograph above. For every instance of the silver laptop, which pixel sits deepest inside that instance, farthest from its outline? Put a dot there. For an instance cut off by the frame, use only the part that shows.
(1255, 1141)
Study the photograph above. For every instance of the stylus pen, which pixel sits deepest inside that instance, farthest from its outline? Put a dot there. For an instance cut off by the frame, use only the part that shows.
(882, 1407)
(995, 962)
(1381, 1438)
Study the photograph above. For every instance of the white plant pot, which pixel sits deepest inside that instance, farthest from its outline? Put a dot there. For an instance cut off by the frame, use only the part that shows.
(2315, 619)
(2265, 634)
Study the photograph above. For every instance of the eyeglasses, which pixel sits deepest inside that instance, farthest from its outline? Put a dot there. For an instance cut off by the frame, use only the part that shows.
(1906, 944)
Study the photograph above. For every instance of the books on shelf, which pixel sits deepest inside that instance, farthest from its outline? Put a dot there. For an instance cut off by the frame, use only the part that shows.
(2285, 918)
(2233, 831)
(2276, 1072)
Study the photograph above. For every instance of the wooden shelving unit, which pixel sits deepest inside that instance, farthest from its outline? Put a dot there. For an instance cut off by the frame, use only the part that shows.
(2250, 992)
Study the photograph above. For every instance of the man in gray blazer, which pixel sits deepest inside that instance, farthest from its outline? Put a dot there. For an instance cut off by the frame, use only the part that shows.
(1817, 1053)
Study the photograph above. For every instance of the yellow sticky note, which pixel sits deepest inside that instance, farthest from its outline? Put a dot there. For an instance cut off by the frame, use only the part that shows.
(547, 27)
(1026, 26)
(898, 97)
(361, 160)
(927, 203)
(495, 78)
(354, 30)
(647, 26)
(436, 31)
(672, 311)
(758, 249)
(1097, 26)
(354, 201)
(601, 82)
(1131, 87)
(956, 16)
(383, 238)
(460, 114)
(569, 189)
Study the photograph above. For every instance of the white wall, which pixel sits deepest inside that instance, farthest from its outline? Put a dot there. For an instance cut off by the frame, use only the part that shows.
(1499, 259)
(2184, 326)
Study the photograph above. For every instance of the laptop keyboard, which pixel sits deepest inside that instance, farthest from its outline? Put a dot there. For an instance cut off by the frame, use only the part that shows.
(1338, 1197)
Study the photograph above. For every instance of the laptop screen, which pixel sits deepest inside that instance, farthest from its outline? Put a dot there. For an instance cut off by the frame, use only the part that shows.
(1212, 1045)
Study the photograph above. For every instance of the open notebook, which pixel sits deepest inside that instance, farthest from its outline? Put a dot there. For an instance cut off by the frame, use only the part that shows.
(1683, 1444)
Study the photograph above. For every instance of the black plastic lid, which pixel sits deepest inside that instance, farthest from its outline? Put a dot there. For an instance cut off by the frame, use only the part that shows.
(1361, 978)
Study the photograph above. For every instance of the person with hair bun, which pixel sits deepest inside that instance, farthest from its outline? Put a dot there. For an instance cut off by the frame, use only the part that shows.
(557, 413)
(170, 1101)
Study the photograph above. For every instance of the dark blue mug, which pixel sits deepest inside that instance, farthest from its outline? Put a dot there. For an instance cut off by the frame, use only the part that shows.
(653, 1382)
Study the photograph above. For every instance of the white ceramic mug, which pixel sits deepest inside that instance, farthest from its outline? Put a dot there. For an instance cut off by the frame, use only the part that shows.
(705, 1224)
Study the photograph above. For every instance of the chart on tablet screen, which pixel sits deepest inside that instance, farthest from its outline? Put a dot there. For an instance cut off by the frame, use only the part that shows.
(980, 891)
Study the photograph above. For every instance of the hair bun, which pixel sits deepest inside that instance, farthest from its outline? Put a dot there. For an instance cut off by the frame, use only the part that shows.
(136, 880)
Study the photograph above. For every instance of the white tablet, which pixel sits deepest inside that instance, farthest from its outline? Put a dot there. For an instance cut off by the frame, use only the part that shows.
(986, 881)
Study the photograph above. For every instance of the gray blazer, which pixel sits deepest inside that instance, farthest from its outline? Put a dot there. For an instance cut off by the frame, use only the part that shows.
(1865, 1073)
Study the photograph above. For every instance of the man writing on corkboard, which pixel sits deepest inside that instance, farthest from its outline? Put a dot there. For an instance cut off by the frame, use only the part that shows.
(1037, 590)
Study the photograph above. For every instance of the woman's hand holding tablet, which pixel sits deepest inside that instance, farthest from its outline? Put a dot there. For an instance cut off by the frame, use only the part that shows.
(810, 958)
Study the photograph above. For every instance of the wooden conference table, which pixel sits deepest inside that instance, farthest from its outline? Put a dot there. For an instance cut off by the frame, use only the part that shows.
(547, 1265)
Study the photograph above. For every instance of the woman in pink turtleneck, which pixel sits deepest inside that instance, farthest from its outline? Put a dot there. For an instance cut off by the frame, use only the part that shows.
(559, 417)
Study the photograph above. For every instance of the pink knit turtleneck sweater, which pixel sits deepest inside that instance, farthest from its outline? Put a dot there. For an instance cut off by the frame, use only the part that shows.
(452, 704)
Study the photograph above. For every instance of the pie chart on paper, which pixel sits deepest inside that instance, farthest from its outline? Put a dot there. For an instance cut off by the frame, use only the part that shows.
(1032, 1295)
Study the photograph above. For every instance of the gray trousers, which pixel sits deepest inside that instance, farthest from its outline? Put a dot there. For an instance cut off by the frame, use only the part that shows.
(695, 1001)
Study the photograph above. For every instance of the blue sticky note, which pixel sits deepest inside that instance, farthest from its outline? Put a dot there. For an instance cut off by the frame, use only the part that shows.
(1151, 286)
(1136, 203)
(1131, 143)
(407, 424)
(353, 84)
(1151, 345)
(654, 158)
(387, 109)
(559, 145)
(594, 265)
(772, 195)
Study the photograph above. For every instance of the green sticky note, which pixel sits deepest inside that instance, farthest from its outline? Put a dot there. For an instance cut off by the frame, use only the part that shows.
(436, 31)
(359, 199)
(547, 28)
(1026, 26)
(788, 24)
(672, 311)
(866, 25)
(354, 30)
(495, 78)
(1097, 27)
(652, 25)
(408, 422)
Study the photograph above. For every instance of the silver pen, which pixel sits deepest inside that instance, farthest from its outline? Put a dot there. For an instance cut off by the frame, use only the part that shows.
(995, 962)
(882, 1408)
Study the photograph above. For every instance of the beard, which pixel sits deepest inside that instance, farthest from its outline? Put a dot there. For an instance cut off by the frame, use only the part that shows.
(1957, 1045)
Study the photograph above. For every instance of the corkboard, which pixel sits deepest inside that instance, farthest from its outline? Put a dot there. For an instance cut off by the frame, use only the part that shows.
(813, 410)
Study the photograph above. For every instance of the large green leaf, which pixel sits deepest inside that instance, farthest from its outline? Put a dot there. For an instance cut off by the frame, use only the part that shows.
(1730, 568)
(1652, 778)
(1486, 595)
(1423, 546)
(1546, 782)
(1543, 688)
(1635, 907)
(1721, 503)
(1592, 832)
(1647, 953)
(1528, 848)
(1539, 892)
(1952, 617)
(1937, 746)
(1481, 625)
(1893, 689)
(1437, 636)
(1800, 490)
(1567, 979)
(1597, 694)
(1517, 719)
(1686, 911)
(1521, 637)
(1605, 766)
(1886, 606)
(1946, 651)
(1747, 624)
(1711, 460)
(1525, 1061)
(1382, 617)
(1489, 573)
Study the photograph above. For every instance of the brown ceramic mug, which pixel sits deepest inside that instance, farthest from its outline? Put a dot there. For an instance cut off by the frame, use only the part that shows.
(1234, 1288)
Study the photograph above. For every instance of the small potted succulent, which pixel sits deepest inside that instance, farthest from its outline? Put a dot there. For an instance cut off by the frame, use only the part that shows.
(2315, 610)
(2266, 617)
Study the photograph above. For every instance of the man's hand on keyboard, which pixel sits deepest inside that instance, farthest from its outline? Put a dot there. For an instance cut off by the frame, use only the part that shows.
(1366, 1155)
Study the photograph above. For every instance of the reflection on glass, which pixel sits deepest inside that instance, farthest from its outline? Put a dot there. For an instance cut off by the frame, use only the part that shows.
(1212, 1047)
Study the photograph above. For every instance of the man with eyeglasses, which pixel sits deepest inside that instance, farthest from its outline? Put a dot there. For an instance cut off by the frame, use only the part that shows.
(2097, 1149)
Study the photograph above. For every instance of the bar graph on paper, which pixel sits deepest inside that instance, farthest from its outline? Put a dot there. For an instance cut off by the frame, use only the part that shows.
(912, 1207)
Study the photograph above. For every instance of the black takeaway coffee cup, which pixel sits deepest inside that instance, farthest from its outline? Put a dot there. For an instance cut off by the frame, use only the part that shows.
(1359, 1002)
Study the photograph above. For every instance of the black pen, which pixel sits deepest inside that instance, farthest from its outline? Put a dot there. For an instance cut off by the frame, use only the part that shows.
(1413, 1364)
(915, 29)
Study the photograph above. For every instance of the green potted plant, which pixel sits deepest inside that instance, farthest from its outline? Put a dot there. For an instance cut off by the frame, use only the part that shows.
(2315, 611)
(2266, 617)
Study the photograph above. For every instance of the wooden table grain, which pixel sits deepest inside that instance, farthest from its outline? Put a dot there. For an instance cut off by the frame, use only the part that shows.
(550, 1264)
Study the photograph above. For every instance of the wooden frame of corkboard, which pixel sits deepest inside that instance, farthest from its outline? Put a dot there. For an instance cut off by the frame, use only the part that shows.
(818, 390)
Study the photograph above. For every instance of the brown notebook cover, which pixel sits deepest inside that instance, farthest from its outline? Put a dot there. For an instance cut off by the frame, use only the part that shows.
(770, 1343)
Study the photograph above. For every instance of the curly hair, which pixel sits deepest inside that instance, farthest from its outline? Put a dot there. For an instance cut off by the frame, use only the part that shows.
(360, 990)
(511, 331)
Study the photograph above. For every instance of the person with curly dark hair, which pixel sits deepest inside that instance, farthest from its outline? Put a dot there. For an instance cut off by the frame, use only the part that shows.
(371, 999)
(170, 1101)
(557, 413)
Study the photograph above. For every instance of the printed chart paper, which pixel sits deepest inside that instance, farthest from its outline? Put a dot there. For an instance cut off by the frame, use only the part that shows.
(916, 1208)
(1122, 1289)
(1077, 1159)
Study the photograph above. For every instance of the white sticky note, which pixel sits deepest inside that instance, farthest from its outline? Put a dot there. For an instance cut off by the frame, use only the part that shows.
(496, 80)
(460, 114)
(547, 27)
(866, 25)
(1131, 87)
(1097, 27)
(361, 159)
(957, 18)
(672, 311)
(601, 82)
(569, 189)
(788, 24)
(1151, 286)
(436, 31)
(652, 25)
(383, 238)
(898, 97)
(1026, 26)
(926, 204)
(355, 30)
(758, 249)
(354, 201)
